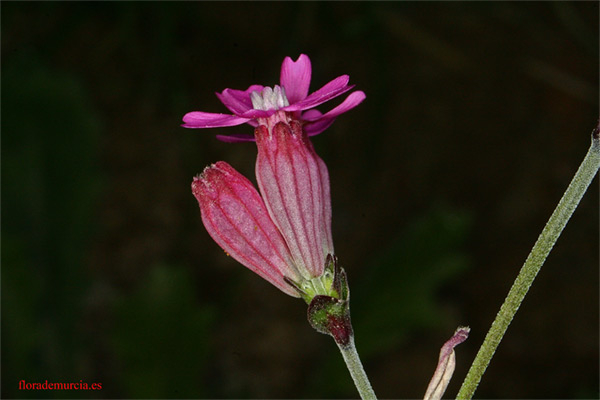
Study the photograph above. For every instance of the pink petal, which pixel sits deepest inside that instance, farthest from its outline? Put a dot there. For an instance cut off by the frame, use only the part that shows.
(295, 187)
(253, 114)
(236, 218)
(236, 138)
(314, 128)
(331, 90)
(199, 119)
(353, 99)
(317, 122)
(238, 101)
(295, 78)
(311, 115)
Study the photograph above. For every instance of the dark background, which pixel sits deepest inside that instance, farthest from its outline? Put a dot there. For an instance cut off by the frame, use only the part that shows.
(477, 116)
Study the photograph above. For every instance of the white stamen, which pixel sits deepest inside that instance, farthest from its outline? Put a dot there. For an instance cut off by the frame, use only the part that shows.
(269, 99)
(257, 101)
(282, 100)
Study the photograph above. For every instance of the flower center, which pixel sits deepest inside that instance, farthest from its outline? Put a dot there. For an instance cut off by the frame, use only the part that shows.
(269, 99)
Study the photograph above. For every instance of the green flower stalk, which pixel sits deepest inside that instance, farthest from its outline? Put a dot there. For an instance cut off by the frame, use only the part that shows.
(557, 222)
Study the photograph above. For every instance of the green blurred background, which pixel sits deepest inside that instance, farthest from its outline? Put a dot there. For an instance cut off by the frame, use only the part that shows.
(476, 117)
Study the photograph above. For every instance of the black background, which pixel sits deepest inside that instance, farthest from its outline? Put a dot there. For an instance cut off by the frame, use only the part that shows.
(477, 115)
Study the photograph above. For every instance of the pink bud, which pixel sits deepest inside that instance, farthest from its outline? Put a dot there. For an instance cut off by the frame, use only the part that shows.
(235, 216)
(294, 183)
(446, 364)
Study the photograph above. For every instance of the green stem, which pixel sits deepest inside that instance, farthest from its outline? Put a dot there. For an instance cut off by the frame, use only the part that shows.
(561, 215)
(356, 370)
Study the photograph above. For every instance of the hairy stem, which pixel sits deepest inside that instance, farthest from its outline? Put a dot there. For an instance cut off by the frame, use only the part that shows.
(356, 370)
(559, 218)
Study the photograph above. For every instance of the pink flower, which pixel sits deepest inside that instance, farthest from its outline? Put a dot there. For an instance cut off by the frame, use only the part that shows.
(258, 102)
(283, 234)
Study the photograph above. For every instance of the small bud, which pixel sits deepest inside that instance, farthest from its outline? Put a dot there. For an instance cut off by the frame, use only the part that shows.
(235, 216)
(446, 364)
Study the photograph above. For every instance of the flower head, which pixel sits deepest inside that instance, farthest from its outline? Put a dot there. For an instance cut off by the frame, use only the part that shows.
(258, 103)
(284, 233)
